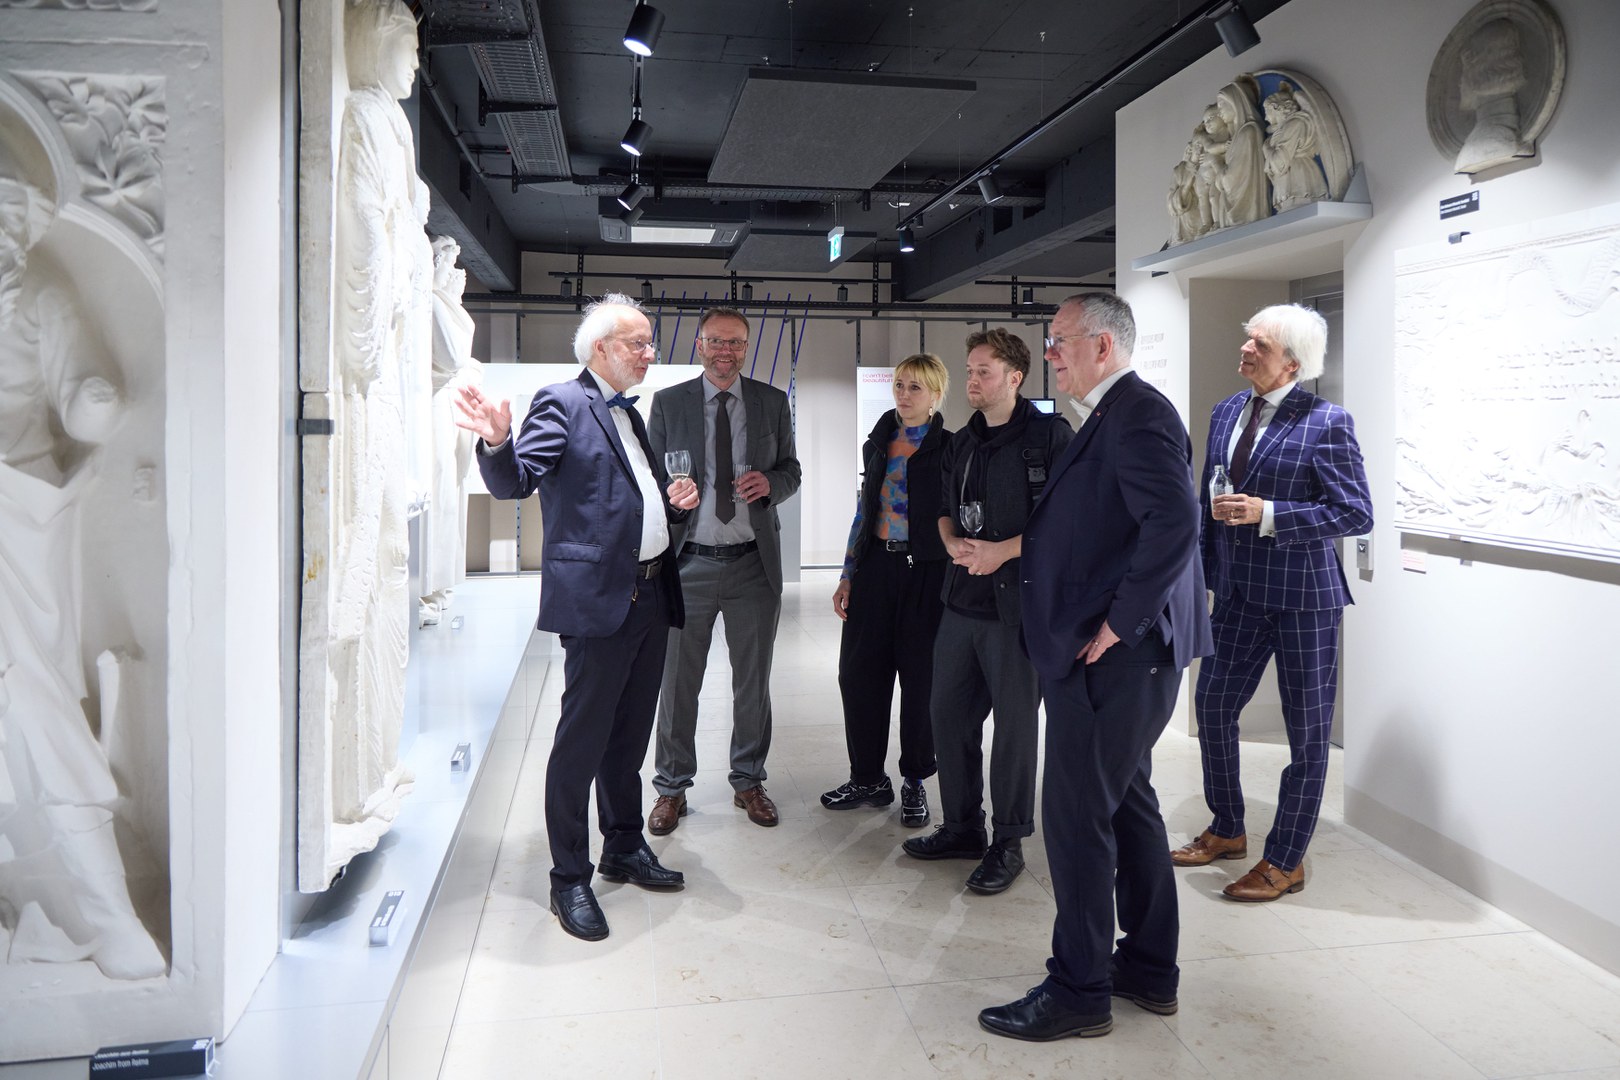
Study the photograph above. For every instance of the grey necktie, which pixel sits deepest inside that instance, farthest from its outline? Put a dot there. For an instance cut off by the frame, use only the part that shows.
(724, 507)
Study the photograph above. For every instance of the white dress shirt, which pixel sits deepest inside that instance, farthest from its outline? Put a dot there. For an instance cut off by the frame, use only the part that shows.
(654, 522)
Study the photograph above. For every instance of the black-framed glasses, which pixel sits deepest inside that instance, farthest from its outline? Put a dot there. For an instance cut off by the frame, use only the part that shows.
(731, 343)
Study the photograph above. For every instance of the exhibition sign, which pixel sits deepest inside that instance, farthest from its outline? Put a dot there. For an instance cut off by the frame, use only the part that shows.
(1507, 374)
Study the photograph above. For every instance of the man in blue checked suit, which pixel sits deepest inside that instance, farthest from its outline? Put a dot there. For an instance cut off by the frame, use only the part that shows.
(1298, 485)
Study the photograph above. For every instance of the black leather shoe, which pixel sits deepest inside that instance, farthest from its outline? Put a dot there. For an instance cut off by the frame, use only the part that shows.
(944, 844)
(641, 867)
(1037, 1017)
(576, 909)
(1140, 996)
(1002, 863)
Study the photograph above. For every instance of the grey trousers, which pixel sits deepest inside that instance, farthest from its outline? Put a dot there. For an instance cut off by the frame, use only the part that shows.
(738, 590)
(979, 665)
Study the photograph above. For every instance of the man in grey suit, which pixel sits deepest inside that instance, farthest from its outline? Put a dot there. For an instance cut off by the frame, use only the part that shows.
(739, 433)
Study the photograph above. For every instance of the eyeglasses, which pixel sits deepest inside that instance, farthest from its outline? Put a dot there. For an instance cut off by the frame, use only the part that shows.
(641, 345)
(730, 343)
(1057, 341)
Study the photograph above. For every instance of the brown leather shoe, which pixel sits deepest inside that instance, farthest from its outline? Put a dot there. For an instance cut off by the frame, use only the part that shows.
(666, 814)
(1265, 882)
(1209, 847)
(761, 811)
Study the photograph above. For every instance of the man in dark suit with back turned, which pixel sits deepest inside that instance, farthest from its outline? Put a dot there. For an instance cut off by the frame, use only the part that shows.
(609, 590)
(1113, 612)
(739, 432)
(1279, 588)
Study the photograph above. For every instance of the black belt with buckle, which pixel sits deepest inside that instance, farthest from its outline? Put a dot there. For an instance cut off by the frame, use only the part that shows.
(648, 570)
(720, 551)
(899, 547)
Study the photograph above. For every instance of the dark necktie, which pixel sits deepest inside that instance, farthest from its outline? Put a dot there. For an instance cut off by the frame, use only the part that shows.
(724, 508)
(1245, 445)
(619, 401)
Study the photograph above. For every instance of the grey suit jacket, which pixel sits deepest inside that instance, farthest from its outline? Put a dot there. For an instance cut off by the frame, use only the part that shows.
(677, 424)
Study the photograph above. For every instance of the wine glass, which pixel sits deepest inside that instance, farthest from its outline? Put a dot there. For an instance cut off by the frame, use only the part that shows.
(971, 515)
(1219, 483)
(679, 464)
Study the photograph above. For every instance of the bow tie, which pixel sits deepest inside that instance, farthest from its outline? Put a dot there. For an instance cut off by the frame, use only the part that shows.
(619, 401)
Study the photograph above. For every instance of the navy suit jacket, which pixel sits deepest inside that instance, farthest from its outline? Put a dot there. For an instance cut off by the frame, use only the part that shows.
(1308, 465)
(569, 448)
(1114, 536)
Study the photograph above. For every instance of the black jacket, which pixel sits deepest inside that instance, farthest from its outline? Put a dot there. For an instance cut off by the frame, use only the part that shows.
(1011, 468)
(923, 486)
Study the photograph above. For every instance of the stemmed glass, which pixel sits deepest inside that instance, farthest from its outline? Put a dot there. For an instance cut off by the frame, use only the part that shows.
(679, 464)
(971, 515)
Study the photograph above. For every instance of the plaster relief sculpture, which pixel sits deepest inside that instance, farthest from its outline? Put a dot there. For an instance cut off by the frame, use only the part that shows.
(1495, 84)
(1234, 171)
(351, 779)
(116, 127)
(1242, 176)
(1291, 166)
(445, 560)
(83, 5)
(64, 892)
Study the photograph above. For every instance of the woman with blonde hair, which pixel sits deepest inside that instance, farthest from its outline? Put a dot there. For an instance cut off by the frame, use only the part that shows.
(889, 595)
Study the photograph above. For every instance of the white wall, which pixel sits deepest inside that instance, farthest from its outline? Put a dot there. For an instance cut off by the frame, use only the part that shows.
(1480, 716)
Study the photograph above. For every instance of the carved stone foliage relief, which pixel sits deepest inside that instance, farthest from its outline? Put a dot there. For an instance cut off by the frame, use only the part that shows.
(115, 126)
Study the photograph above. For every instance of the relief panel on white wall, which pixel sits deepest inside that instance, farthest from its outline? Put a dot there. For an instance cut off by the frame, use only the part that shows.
(1507, 354)
(84, 893)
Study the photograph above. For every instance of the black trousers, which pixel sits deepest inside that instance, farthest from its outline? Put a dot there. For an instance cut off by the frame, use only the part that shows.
(610, 689)
(894, 610)
(1105, 837)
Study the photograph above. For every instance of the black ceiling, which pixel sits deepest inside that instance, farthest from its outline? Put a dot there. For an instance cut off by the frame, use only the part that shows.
(565, 60)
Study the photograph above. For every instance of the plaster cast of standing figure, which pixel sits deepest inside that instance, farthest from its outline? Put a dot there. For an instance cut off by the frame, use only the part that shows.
(445, 563)
(1242, 179)
(1188, 201)
(1492, 76)
(370, 498)
(1211, 167)
(1296, 178)
(416, 366)
(63, 892)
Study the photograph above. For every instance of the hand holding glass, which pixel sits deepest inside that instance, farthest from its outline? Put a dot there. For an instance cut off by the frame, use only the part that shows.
(971, 515)
(678, 463)
(1219, 483)
(743, 469)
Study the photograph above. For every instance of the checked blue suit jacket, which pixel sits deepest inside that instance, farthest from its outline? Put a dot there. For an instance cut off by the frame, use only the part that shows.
(1308, 465)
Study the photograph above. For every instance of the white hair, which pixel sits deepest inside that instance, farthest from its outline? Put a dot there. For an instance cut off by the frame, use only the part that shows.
(601, 319)
(1300, 331)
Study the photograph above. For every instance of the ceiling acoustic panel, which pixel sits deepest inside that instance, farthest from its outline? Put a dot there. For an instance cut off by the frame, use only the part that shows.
(832, 129)
(779, 251)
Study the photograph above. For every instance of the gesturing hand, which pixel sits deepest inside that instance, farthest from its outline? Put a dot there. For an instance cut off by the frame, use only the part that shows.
(488, 419)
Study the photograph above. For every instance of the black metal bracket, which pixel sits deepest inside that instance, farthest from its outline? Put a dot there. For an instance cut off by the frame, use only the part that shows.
(488, 105)
(316, 425)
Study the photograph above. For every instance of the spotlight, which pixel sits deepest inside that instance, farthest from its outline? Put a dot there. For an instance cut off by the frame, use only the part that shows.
(908, 243)
(641, 36)
(631, 195)
(1237, 32)
(1029, 294)
(747, 291)
(646, 289)
(989, 189)
(636, 136)
(843, 294)
(630, 217)
(566, 289)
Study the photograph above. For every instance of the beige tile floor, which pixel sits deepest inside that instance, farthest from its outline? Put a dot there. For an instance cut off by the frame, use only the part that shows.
(815, 950)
